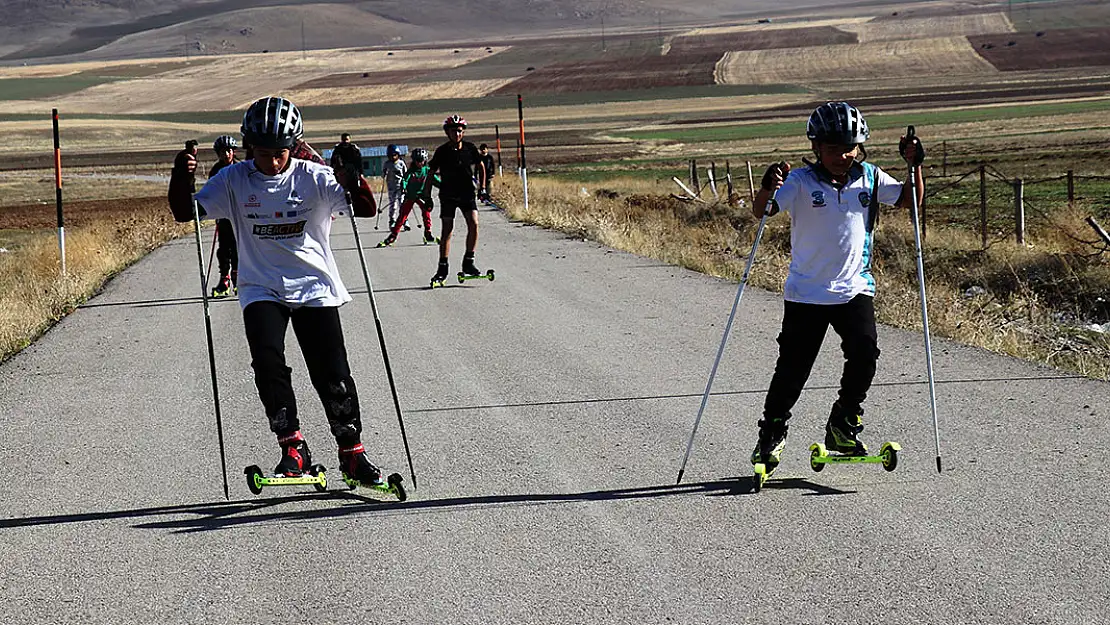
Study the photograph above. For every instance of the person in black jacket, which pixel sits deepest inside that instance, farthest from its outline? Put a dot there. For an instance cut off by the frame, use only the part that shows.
(461, 173)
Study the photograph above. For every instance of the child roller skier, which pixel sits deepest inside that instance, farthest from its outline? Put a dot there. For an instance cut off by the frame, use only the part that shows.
(487, 161)
(280, 203)
(833, 206)
(227, 254)
(459, 164)
(393, 170)
(416, 192)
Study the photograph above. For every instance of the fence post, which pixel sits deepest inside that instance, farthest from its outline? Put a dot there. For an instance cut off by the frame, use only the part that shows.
(1071, 188)
(712, 173)
(728, 180)
(944, 158)
(1019, 210)
(694, 177)
(983, 203)
(751, 181)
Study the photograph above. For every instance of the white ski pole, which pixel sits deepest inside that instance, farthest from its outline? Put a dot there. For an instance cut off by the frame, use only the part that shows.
(724, 337)
(910, 137)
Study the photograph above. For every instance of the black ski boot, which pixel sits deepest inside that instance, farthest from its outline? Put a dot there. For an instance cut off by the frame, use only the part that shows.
(429, 237)
(441, 273)
(224, 288)
(295, 457)
(356, 466)
(842, 431)
(388, 241)
(468, 268)
(772, 440)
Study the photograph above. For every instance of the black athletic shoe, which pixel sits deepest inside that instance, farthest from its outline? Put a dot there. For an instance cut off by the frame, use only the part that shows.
(842, 431)
(355, 465)
(295, 457)
(441, 272)
(772, 440)
(224, 288)
(468, 267)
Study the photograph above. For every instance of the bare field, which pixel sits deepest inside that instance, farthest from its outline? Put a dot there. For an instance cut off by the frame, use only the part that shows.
(772, 26)
(232, 82)
(398, 92)
(1052, 49)
(940, 56)
(896, 29)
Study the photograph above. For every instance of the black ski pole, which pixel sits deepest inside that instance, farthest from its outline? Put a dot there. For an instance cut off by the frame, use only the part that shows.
(211, 349)
(381, 339)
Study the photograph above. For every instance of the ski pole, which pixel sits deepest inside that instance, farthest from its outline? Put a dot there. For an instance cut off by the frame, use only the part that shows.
(211, 349)
(910, 136)
(377, 221)
(381, 339)
(211, 255)
(724, 337)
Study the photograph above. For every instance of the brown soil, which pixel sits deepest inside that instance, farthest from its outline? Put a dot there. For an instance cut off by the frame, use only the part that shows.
(1053, 49)
(713, 46)
(672, 70)
(37, 216)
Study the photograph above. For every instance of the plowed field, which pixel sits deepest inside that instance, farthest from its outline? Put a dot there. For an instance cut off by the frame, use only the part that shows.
(38, 216)
(895, 29)
(1053, 49)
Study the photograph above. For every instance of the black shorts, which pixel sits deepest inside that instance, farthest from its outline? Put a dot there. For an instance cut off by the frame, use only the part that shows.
(447, 206)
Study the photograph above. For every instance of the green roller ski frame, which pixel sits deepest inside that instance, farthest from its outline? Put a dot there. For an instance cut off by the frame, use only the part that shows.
(257, 480)
(887, 456)
(394, 485)
(486, 276)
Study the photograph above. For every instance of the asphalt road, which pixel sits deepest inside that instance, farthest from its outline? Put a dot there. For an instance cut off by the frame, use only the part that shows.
(548, 412)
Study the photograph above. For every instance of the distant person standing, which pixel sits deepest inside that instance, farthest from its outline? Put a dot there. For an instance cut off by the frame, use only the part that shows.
(487, 161)
(347, 156)
(227, 254)
(393, 170)
(461, 172)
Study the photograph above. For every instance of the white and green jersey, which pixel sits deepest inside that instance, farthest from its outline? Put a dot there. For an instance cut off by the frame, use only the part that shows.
(282, 226)
(830, 240)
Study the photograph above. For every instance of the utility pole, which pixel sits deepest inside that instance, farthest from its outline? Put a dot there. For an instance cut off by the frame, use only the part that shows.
(304, 51)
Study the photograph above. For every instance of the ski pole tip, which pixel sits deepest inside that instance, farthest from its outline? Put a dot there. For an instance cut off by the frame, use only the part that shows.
(938, 464)
(679, 480)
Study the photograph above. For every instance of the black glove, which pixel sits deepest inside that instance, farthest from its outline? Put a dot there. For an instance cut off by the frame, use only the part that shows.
(776, 170)
(919, 149)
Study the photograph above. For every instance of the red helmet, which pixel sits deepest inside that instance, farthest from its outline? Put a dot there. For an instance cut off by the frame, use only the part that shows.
(455, 121)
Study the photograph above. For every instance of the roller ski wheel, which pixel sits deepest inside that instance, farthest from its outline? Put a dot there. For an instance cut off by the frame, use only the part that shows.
(387, 243)
(762, 472)
(393, 485)
(315, 476)
(479, 276)
(888, 456)
(431, 240)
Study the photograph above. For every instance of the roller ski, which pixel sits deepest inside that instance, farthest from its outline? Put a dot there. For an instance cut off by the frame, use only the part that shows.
(359, 472)
(470, 272)
(294, 469)
(441, 274)
(430, 238)
(388, 242)
(842, 438)
(768, 450)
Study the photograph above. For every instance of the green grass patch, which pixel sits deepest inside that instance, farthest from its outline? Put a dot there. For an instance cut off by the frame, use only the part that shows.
(48, 87)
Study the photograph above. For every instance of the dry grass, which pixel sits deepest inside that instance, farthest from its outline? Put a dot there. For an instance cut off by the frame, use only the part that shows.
(33, 295)
(404, 92)
(935, 56)
(913, 28)
(1031, 300)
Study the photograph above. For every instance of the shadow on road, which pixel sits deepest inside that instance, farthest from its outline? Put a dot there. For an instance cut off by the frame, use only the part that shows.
(228, 515)
(215, 301)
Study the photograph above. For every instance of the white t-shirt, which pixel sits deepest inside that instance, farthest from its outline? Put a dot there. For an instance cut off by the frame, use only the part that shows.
(282, 225)
(830, 247)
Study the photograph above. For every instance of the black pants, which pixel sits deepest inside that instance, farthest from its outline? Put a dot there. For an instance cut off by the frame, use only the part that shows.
(803, 331)
(227, 253)
(320, 336)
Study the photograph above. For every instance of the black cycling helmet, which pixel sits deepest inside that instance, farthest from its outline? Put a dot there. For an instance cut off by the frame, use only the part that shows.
(225, 142)
(420, 155)
(838, 123)
(273, 123)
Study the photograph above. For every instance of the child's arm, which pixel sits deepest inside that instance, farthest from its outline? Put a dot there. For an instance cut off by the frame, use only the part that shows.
(773, 179)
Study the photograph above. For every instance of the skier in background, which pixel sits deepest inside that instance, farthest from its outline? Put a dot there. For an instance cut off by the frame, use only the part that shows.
(227, 254)
(461, 171)
(393, 170)
(417, 193)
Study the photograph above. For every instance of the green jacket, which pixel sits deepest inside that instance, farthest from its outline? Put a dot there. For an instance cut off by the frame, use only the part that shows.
(416, 185)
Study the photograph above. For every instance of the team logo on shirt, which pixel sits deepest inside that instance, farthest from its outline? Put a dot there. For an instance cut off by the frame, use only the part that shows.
(279, 231)
(818, 199)
(252, 202)
(864, 199)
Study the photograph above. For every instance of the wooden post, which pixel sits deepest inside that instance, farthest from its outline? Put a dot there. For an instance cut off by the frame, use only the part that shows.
(983, 203)
(1019, 211)
(922, 215)
(1071, 188)
(944, 159)
(712, 173)
(728, 180)
(694, 178)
